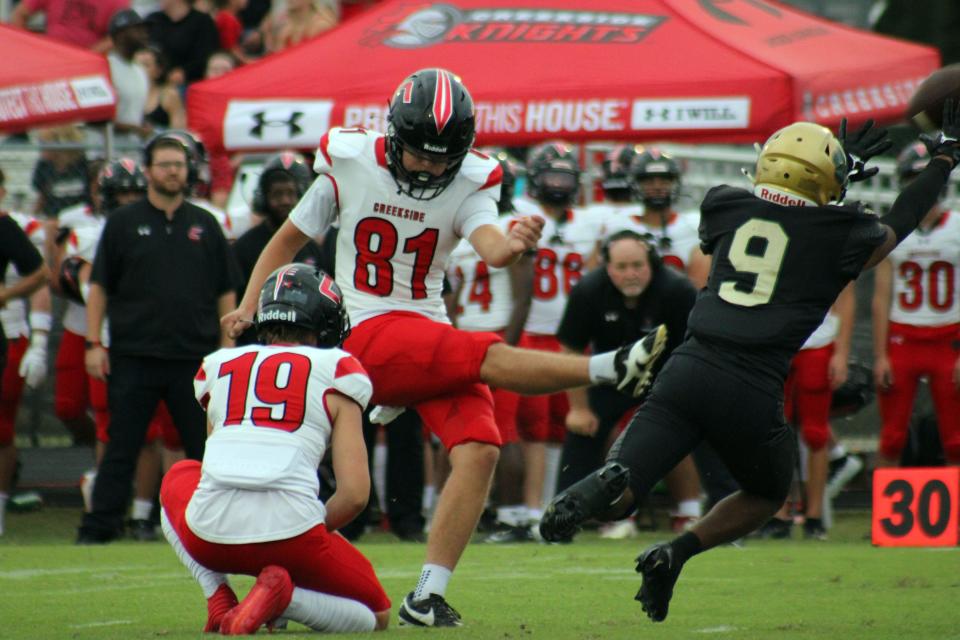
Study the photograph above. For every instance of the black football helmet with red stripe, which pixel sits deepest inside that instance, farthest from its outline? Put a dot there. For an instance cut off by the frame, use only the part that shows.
(654, 163)
(304, 296)
(122, 175)
(288, 164)
(553, 174)
(431, 115)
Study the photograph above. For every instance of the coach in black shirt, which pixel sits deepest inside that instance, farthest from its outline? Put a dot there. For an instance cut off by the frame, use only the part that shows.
(627, 297)
(163, 276)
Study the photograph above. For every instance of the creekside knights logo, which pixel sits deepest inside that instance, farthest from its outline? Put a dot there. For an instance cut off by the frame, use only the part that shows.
(424, 26)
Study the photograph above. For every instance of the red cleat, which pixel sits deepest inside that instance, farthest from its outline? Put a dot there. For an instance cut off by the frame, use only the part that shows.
(267, 600)
(218, 605)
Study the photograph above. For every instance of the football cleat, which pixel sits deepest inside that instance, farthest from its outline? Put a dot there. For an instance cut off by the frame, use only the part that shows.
(660, 572)
(775, 529)
(432, 611)
(511, 534)
(222, 601)
(142, 530)
(842, 471)
(583, 500)
(634, 362)
(813, 529)
(267, 600)
(619, 530)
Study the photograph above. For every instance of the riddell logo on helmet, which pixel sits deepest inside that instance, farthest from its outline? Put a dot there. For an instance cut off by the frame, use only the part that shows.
(277, 314)
(435, 148)
(779, 197)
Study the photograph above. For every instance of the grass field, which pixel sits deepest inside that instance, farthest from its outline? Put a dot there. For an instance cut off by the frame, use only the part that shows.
(795, 589)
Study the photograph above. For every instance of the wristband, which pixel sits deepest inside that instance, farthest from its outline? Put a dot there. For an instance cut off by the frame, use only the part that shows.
(90, 344)
(40, 321)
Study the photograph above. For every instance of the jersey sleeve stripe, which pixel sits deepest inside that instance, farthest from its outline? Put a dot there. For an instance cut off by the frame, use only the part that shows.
(348, 365)
(324, 143)
(336, 188)
(380, 148)
(495, 177)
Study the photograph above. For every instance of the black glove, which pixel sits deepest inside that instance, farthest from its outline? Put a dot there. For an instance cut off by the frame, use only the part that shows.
(946, 143)
(864, 144)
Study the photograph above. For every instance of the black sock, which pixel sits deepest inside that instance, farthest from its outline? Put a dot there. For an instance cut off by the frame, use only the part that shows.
(686, 546)
(813, 522)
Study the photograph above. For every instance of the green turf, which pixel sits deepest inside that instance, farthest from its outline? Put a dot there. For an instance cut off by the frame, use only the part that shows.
(843, 588)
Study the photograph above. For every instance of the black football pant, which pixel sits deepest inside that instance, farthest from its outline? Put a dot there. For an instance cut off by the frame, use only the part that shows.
(694, 400)
(135, 388)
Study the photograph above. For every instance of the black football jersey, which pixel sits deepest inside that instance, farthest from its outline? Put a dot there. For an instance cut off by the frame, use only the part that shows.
(776, 272)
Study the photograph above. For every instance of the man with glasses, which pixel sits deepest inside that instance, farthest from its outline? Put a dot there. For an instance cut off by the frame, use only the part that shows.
(163, 275)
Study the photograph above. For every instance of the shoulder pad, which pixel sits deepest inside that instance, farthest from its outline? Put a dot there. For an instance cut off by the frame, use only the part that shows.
(341, 143)
(481, 169)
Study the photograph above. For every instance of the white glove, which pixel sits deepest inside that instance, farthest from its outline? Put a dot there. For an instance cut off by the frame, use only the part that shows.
(385, 415)
(33, 365)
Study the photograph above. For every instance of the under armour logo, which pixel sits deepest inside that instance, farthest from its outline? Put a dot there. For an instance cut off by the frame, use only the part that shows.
(292, 123)
(143, 230)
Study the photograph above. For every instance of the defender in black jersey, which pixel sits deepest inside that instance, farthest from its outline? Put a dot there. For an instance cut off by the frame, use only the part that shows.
(781, 255)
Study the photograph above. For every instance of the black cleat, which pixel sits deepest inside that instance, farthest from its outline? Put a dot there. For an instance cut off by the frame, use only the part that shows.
(583, 500)
(142, 530)
(512, 534)
(660, 572)
(813, 529)
(775, 529)
(634, 362)
(432, 611)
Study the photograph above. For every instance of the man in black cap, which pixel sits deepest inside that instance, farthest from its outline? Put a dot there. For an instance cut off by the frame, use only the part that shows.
(128, 32)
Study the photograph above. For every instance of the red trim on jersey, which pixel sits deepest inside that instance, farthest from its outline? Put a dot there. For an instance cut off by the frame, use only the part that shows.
(670, 219)
(204, 401)
(348, 365)
(73, 240)
(495, 177)
(324, 143)
(442, 100)
(943, 219)
(336, 189)
(380, 150)
(201, 374)
(32, 225)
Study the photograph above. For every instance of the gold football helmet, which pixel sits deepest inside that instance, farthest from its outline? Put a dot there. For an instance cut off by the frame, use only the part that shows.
(804, 159)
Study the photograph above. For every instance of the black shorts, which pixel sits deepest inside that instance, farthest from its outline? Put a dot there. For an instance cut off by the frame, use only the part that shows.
(693, 400)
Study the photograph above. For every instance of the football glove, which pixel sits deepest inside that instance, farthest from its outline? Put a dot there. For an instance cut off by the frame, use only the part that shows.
(33, 365)
(863, 144)
(946, 143)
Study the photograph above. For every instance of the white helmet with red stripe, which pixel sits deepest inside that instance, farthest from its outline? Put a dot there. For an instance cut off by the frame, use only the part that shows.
(431, 115)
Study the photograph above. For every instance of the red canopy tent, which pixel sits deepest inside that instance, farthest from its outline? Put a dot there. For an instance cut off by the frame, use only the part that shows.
(46, 82)
(684, 70)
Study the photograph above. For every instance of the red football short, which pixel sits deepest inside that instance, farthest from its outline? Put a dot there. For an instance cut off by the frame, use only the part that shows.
(417, 362)
(317, 559)
(11, 388)
(807, 395)
(542, 418)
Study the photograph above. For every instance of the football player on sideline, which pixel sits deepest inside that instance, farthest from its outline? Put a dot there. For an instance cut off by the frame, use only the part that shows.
(404, 200)
(273, 410)
(781, 256)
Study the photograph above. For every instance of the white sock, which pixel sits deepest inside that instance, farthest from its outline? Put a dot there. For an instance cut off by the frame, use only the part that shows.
(3, 509)
(551, 469)
(327, 613)
(379, 474)
(602, 368)
(142, 509)
(429, 495)
(836, 452)
(513, 515)
(209, 580)
(86, 489)
(689, 509)
(433, 579)
(534, 515)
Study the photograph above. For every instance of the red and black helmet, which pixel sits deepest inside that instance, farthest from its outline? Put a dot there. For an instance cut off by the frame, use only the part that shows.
(616, 172)
(289, 164)
(304, 296)
(653, 163)
(553, 174)
(912, 160)
(123, 174)
(432, 115)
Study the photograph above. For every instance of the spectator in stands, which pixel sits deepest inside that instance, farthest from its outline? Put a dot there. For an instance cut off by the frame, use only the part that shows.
(164, 107)
(60, 175)
(252, 16)
(129, 34)
(78, 22)
(186, 36)
(300, 20)
(229, 26)
(222, 166)
(158, 333)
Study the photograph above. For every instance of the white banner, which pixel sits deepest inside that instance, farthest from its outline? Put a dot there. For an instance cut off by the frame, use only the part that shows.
(92, 91)
(691, 113)
(271, 124)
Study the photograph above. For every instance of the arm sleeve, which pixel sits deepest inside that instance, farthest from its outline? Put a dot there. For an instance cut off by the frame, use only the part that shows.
(18, 249)
(317, 209)
(916, 199)
(574, 331)
(478, 209)
(351, 380)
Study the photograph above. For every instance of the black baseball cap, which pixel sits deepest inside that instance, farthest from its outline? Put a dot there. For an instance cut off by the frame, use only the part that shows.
(124, 19)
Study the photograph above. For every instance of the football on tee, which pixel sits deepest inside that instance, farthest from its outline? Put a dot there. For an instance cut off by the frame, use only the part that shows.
(925, 109)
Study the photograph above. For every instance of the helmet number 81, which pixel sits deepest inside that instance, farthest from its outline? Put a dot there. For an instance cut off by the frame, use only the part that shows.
(764, 262)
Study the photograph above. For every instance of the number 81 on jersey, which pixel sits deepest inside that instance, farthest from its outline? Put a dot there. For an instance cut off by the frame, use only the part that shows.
(916, 507)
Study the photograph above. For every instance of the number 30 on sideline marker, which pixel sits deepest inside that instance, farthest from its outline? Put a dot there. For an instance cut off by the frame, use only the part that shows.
(916, 507)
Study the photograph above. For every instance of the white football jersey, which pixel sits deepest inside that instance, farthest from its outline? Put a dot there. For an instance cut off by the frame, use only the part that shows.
(485, 301)
(563, 249)
(392, 249)
(271, 428)
(13, 316)
(79, 215)
(222, 217)
(676, 242)
(825, 334)
(925, 279)
(82, 242)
